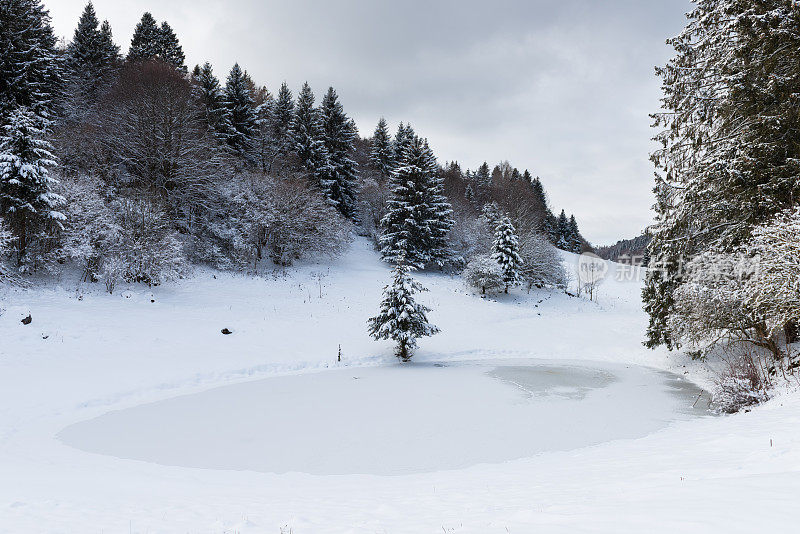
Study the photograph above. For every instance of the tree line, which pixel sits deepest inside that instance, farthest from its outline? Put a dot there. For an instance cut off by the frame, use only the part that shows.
(136, 167)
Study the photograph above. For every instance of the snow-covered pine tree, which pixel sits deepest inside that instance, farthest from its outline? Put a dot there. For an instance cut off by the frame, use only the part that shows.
(27, 201)
(419, 217)
(401, 318)
(483, 182)
(241, 115)
(284, 113)
(29, 68)
(380, 155)
(505, 251)
(725, 166)
(264, 143)
(169, 49)
(339, 133)
(562, 231)
(402, 140)
(146, 41)
(574, 243)
(211, 96)
(308, 141)
(90, 59)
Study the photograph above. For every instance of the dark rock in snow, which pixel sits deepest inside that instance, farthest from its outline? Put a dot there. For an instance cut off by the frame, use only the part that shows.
(226, 331)
(27, 320)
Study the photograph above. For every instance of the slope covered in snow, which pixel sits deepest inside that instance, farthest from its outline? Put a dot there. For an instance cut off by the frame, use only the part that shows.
(87, 354)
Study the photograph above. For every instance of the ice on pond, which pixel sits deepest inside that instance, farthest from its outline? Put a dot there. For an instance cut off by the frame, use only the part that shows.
(394, 420)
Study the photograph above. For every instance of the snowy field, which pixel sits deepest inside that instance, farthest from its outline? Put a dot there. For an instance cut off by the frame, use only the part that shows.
(529, 413)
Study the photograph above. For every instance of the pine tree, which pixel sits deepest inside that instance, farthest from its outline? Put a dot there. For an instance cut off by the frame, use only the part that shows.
(29, 68)
(724, 166)
(562, 229)
(402, 140)
(419, 216)
(209, 93)
(284, 113)
(308, 141)
(27, 201)
(401, 318)
(483, 182)
(91, 57)
(505, 251)
(241, 115)
(574, 243)
(380, 155)
(264, 142)
(169, 49)
(146, 41)
(339, 133)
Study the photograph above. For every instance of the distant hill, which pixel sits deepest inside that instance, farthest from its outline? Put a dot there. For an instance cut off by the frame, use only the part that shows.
(625, 250)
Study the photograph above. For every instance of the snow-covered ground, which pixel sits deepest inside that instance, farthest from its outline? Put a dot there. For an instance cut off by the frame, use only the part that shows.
(136, 375)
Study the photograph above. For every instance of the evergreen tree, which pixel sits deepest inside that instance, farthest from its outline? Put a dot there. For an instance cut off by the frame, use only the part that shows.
(540, 198)
(724, 166)
(339, 134)
(308, 141)
(241, 115)
(483, 182)
(91, 57)
(419, 215)
(209, 93)
(284, 113)
(527, 176)
(381, 151)
(169, 49)
(401, 318)
(402, 140)
(574, 243)
(27, 201)
(562, 231)
(264, 142)
(505, 251)
(29, 68)
(146, 41)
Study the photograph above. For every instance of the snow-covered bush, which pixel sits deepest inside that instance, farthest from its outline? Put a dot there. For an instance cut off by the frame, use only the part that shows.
(147, 249)
(740, 387)
(470, 236)
(541, 264)
(6, 237)
(773, 290)
(485, 274)
(91, 230)
(277, 218)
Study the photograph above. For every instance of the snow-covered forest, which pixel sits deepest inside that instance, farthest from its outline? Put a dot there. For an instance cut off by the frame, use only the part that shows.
(223, 308)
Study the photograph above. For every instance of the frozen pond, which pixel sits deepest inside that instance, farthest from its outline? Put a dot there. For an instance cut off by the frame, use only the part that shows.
(397, 419)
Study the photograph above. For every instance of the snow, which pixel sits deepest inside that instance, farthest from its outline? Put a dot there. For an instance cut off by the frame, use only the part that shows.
(90, 361)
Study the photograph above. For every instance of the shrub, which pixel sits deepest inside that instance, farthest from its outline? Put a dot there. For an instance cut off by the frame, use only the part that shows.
(541, 262)
(484, 273)
(740, 387)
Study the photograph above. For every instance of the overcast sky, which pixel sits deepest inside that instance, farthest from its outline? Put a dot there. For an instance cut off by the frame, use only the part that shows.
(560, 87)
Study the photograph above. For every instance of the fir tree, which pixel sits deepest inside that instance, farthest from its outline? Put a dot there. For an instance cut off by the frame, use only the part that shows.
(527, 176)
(239, 103)
(505, 251)
(91, 57)
(29, 68)
(209, 93)
(264, 142)
(380, 155)
(146, 41)
(401, 318)
(419, 215)
(339, 133)
(562, 231)
(284, 113)
(724, 166)
(308, 141)
(402, 140)
(574, 243)
(169, 49)
(27, 201)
